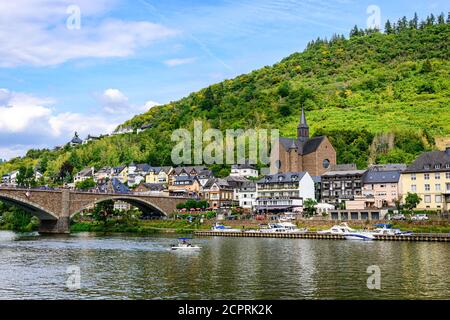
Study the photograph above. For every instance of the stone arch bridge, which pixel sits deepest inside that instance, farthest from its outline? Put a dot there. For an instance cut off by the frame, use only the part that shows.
(55, 207)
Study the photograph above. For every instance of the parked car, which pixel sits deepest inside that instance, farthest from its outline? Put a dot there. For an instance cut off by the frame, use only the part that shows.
(420, 217)
(398, 217)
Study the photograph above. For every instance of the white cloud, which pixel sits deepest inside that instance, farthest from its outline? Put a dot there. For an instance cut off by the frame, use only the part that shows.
(114, 101)
(27, 121)
(34, 32)
(150, 104)
(179, 61)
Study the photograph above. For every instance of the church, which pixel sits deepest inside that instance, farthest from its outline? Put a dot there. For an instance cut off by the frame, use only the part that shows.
(313, 155)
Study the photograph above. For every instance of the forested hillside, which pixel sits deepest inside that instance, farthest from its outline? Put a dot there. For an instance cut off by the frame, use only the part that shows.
(380, 97)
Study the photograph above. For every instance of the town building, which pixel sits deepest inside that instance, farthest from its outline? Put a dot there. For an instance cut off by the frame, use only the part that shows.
(76, 141)
(429, 177)
(204, 175)
(381, 188)
(219, 194)
(341, 183)
(189, 171)
(143, 128)
(151, 189)
(10, 179)
(103, 174)
(185, 186)
(244, 170)
(246, 196)
(313, 155)
(283, 191)
(123, 130)
(87, 173)
(137, 173)
(121, 173)
(158, 175)
(90, 138)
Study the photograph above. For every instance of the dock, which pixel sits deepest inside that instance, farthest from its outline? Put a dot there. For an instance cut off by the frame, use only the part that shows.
(430, 237)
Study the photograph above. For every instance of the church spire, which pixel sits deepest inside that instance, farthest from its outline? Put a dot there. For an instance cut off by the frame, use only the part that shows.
(302, 129)
(303, 119)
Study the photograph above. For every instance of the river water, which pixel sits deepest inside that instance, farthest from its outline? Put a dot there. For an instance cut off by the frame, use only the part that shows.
(132, 267)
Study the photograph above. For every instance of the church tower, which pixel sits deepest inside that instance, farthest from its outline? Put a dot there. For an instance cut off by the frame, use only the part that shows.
(302, 132)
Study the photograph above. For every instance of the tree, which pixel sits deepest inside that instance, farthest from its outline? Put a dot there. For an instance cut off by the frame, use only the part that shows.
(414, 23)
(388, 28)
(25, 177)
(103, 211)
(284, 89)
(411, 201)
(309, 208)
(86, 184)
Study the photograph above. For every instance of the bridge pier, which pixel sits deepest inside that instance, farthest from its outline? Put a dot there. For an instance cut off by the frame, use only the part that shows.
(62, 225)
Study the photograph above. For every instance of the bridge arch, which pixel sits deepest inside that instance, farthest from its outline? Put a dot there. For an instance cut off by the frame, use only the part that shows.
(29, 206)
(144, 205)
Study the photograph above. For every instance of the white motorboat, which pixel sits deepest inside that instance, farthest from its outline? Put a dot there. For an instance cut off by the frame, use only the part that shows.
(342, 228)
(220, 227)
(348, 233)
(283, 227)
(184, 245)
(359, 235)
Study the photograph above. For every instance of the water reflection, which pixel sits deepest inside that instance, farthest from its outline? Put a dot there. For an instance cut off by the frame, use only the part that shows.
(130, 267)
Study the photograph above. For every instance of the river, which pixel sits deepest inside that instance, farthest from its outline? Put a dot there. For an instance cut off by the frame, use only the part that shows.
(134, 267)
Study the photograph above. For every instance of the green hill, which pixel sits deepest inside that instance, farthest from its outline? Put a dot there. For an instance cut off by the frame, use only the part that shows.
(380, 97)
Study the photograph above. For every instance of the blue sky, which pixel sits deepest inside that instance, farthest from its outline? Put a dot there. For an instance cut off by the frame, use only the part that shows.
(127, 56)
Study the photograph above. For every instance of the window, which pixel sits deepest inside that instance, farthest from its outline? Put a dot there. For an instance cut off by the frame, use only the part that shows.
(438, 199)
(427, 199)
(437, 187)
(426, 176)
(437, 175)
(413, 188)
(326, 163)
(437, 166)
(447, 166)
(447, 186)
(447, 175)
(413, 176)
(427, 167)
(427, 187)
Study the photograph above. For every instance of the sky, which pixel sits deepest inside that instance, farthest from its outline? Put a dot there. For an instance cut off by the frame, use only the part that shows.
(87, 66)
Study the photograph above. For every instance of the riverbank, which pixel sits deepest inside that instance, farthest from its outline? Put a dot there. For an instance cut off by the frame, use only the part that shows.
(140, 227)
(184, 227)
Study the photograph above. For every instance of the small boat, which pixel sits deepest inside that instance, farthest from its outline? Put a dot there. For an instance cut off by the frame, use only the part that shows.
(359, 235)
(183, 244)
(348, 233)
(342, 228)
(220, 227)
(283, 227)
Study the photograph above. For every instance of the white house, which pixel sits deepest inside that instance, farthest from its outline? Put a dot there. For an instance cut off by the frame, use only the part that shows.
(84, 174)
(246, 195)
(244, 170)
(284, 191)
(10, 178)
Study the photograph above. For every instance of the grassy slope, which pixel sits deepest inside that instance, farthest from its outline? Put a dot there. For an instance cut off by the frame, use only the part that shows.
(354, 90)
